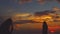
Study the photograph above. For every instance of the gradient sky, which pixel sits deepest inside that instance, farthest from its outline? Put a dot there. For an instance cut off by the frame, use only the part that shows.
(10, 7)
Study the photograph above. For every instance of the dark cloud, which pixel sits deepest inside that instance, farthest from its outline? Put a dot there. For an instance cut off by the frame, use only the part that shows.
(25, 21)
(56, 20)
(43, 13)
(58, 1)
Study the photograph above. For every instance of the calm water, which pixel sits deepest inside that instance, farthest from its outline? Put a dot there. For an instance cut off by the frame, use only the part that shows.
(33, 32)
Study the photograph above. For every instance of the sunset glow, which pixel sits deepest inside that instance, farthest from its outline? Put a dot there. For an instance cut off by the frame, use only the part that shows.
(31, 16)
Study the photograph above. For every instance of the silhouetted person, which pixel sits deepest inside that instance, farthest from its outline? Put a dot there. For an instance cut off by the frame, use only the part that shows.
(45, 28)
(6, 27)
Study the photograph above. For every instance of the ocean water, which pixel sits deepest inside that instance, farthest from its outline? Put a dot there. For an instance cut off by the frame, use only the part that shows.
(36, 31)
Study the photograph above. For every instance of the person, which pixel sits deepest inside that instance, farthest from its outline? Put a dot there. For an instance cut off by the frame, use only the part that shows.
(6, 27)
(45, 28)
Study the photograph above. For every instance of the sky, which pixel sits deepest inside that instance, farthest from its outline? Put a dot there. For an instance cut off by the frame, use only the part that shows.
(10, 7)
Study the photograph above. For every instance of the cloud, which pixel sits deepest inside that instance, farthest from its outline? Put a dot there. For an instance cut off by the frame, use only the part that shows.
(24, 1)
(43, 13)
(38, 1)
(40, 13)
(25, 21)
(56, 9)
(41, 1)
(45, 1)
(58, 0)
(46, 12)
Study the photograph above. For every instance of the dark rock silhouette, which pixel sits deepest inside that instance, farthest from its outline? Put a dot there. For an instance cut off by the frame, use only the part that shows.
(45, 28)
(6, 27)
